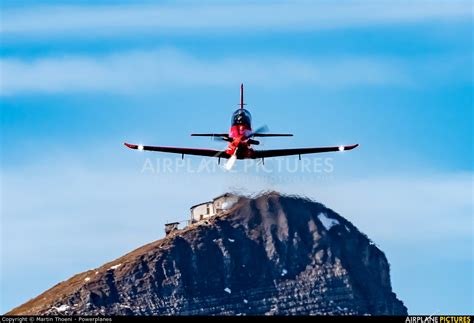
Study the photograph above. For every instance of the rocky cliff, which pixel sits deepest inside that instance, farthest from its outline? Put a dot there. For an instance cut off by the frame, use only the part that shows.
(271, 254)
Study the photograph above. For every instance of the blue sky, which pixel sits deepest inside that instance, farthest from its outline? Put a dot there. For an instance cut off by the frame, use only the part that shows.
(78, 79)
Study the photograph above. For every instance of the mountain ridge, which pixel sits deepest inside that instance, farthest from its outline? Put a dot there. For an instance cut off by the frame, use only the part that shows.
(268, 254)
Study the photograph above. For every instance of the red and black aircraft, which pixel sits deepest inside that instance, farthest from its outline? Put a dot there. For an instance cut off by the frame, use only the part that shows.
(240, 140)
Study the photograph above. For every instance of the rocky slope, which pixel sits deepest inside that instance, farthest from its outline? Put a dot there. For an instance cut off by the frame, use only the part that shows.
(271, 254)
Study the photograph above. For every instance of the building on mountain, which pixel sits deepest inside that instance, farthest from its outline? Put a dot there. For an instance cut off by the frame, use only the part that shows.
(209, 209)
(170, 227)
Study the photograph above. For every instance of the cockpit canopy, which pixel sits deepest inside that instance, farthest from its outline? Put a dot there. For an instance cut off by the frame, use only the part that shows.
(241, 117)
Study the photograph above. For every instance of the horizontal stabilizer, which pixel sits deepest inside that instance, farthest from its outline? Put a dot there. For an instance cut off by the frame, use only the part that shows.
(209, 135)
(273, 135)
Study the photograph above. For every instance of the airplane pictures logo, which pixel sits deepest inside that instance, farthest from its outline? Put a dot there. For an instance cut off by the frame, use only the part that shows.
(305, 166)
(438, 319)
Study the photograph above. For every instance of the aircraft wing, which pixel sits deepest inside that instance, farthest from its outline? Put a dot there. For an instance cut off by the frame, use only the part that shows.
(300, 151)
(182, 151)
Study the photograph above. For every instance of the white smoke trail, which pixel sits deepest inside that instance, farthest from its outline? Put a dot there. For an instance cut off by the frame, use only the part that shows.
(230, 163)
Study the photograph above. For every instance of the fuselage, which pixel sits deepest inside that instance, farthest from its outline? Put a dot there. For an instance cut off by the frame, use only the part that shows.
(240, 134)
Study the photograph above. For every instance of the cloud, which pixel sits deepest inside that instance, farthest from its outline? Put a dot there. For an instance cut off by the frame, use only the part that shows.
(218, 17)
(130, 72)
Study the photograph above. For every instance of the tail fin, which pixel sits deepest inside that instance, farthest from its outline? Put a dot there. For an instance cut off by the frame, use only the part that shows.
(242, 96)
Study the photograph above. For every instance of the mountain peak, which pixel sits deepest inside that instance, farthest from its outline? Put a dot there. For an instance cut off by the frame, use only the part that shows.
(267, 254)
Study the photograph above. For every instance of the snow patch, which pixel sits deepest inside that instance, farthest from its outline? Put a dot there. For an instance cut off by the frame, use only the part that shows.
(227, 290)
(284, 272)
(246, 301)
(87, 279)
(115, 267)
(327, 222)
(231, 240)
(61, 308)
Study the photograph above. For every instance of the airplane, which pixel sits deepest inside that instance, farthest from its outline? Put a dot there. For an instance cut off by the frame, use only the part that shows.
(240, 140)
